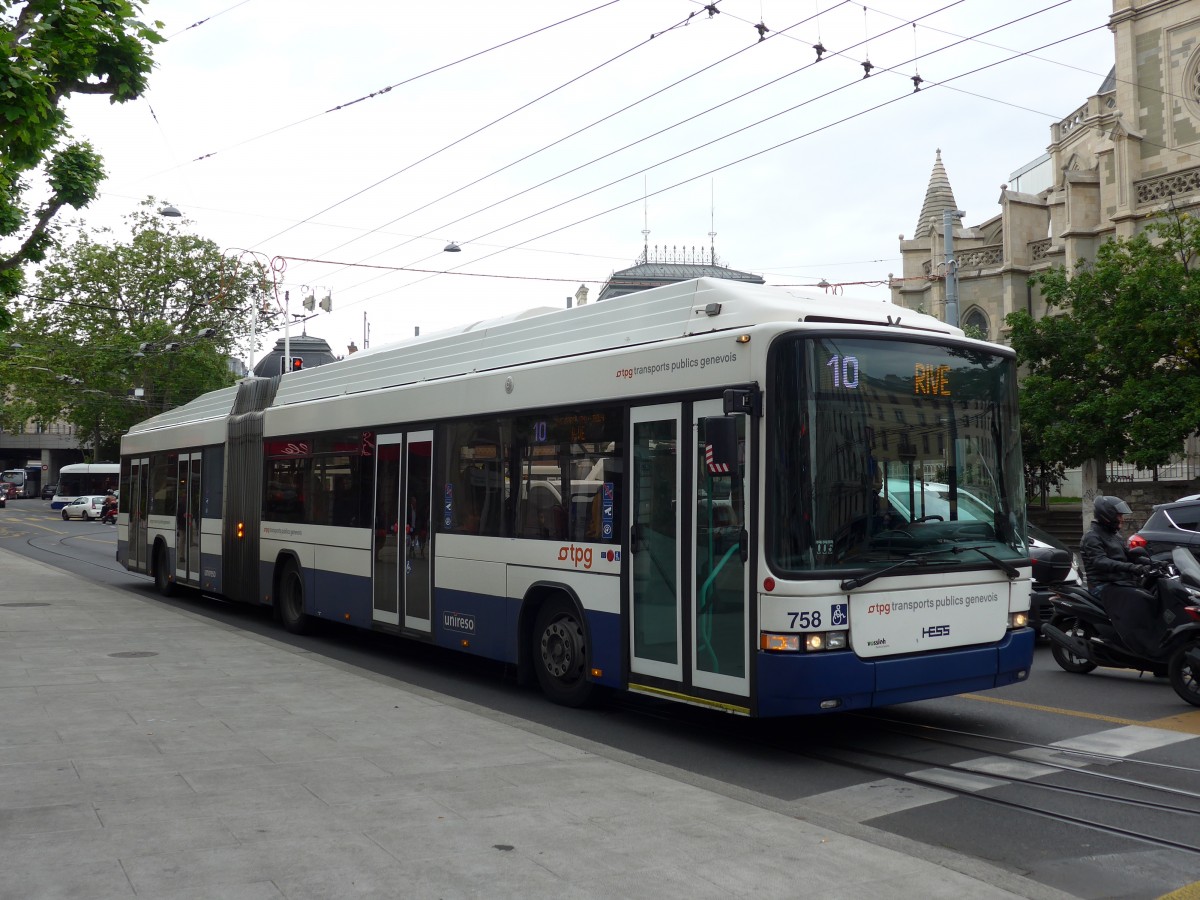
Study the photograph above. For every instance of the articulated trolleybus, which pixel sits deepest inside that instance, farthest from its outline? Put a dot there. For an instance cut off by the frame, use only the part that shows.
(761, 501)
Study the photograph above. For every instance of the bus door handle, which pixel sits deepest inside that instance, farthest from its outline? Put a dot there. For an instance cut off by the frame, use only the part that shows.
(744, 544)
(635, 538)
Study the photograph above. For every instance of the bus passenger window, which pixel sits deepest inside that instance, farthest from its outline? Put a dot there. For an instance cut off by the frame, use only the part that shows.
(477, 497)
(569, 473)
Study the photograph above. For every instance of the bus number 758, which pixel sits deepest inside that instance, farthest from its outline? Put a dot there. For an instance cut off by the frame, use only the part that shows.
(805, 620)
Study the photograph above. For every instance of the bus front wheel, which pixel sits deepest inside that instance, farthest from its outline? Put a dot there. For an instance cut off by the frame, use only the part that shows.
(560, 653)
(291, 599)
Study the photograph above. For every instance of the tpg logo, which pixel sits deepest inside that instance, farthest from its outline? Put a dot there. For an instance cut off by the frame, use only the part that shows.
(936, 631)
(577, 555)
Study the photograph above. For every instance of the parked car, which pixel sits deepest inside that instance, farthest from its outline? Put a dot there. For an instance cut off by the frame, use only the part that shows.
(48, 491)
(85, 508)
(1171, 525)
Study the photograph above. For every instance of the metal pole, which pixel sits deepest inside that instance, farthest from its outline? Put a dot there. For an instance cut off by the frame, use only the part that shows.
(254, 331)
(286, 366)
(948, 217)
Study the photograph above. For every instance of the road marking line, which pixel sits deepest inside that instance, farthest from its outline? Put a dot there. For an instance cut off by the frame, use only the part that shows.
(1187, 892)
(1188, 722)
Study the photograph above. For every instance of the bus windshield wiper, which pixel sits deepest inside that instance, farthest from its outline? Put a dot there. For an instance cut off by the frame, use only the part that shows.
(920, 559)
(1008, 568)
(914, 559)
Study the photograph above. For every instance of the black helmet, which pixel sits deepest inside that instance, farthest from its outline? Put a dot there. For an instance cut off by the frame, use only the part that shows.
(1106, 510)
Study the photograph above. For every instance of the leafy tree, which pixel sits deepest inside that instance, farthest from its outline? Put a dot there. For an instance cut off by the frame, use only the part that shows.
(116, 332)
(1114, 371)
(57, 48)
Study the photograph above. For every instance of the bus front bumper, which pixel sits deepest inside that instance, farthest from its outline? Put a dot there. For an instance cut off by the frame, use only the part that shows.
(791, 684)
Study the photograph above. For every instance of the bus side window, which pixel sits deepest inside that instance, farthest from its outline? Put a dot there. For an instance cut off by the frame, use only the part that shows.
(477, 487)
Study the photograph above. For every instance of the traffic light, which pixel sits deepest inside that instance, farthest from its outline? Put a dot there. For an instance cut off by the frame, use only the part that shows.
(297, 363)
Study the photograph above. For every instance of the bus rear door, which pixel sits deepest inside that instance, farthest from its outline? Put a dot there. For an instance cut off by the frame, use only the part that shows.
(138, 501)
(400, 549)
(187, 519)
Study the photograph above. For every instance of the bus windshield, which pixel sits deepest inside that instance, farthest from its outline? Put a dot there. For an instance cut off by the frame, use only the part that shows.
(884, 449)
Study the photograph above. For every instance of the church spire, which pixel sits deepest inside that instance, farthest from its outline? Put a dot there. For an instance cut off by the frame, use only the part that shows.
(938, 198)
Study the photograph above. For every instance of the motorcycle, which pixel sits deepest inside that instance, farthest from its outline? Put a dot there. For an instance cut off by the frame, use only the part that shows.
(1083, 637)
(108, 514)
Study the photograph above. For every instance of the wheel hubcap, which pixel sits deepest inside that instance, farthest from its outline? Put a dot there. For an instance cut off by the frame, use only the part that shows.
(560, 651)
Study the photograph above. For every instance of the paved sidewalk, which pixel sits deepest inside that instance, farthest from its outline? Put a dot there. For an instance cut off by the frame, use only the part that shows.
(149, 752)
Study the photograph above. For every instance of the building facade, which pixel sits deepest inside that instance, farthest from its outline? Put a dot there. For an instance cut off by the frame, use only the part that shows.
(1129, 154)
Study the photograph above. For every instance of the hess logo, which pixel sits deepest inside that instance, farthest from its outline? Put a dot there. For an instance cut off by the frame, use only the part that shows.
(936, 631)
(577, 555)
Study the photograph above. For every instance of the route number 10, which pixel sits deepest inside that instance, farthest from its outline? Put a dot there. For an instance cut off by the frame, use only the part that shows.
(845, 370)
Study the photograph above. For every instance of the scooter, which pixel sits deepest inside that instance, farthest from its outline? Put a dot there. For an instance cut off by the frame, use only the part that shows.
(108, 514)
(1083, 637)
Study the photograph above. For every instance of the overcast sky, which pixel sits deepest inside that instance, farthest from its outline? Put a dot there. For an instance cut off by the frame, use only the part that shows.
(499, 126)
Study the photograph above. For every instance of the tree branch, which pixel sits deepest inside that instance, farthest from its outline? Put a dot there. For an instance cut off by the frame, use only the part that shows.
(43, 222)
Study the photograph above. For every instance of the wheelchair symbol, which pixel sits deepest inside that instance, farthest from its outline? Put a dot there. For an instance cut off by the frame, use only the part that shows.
(837, 614)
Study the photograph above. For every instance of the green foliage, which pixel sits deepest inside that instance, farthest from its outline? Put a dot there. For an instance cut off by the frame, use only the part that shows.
(974, 331)
(1114, 370)
(57, 48)
(98, 300)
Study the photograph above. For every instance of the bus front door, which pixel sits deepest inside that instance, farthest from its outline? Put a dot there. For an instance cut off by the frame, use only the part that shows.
(400, 549)
(689, 612)
(720, 612)
(655, 623)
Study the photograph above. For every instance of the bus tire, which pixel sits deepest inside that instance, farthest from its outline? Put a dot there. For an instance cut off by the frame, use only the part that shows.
(560, 653)
(291, 599)
(162, 576)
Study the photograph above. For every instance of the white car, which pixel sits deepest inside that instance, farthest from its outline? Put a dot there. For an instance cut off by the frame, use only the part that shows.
(85, 508)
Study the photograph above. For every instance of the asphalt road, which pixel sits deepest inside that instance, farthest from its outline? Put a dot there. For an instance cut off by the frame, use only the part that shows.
(1090, 784)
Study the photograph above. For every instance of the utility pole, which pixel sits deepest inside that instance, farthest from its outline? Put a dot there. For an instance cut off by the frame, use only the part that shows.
(948, 218)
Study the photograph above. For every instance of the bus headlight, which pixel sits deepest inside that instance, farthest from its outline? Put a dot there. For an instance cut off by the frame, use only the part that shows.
(1018, 619)
(778, 642)
(813, 642)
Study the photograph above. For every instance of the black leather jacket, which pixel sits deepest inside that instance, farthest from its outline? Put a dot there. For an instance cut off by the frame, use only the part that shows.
(1104, 559)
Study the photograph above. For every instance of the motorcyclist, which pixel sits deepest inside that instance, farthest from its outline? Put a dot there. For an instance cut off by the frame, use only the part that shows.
(108, 513)
(1114, 578)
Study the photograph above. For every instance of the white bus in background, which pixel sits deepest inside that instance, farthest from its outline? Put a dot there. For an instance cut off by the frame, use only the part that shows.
(676, 492)
(26, 480)
(83, 479)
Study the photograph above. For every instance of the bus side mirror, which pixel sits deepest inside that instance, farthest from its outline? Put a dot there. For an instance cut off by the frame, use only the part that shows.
(720, 445)
(746, 401)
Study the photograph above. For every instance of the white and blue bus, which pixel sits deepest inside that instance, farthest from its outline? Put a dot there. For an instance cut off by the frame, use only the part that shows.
(82, 479)
(763, 501)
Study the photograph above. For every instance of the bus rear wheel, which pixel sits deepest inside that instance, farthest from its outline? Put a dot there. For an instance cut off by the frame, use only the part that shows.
(560, 654)
(162, 577)
(291, 599)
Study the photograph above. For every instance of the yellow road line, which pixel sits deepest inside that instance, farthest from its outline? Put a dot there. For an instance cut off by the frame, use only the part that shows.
(1187, 892)
(1187, 722)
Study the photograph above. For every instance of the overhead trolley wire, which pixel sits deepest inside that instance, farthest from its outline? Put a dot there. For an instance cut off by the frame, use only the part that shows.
(568, 137)
(735, 162)
(478, 130)
(944, 82)
(387, 88)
